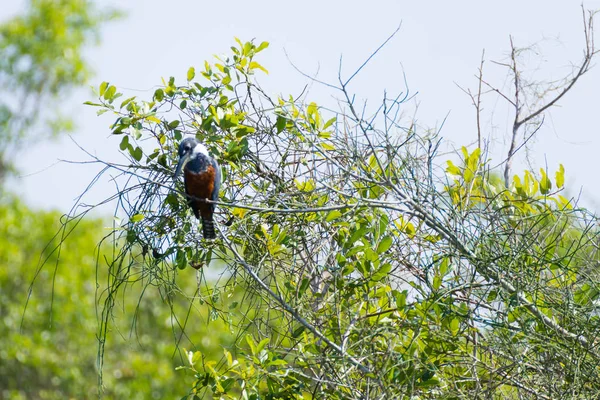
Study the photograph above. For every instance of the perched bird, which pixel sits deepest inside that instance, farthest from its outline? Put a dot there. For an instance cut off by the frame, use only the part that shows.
(202, 178)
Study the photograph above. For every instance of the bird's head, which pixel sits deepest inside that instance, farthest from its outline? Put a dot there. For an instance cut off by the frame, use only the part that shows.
(189, 148)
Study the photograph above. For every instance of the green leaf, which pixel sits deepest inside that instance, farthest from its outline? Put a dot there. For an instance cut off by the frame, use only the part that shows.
(262, 344)
(370, 254)
(382, 272)
(159, 95)
(303, 287)
(136, 153)
(409, 229)
(173, 124)
(110, 92)
(452, 169)
(90, 103)
(332, 215)
(465, 153)
(119, 129)
(247, 48)
(127, 101)
(281, 123)
(327, 146)
(191, 73)
(262, 46)
(545, 184)
(137, 218)
(255, 65)
(454, 326)
(444, 266)
(357, 234)
(400, 298)
(560, 177)
(305, 186)
(103, 87)
(329, 123)
(298, 331)
(197, 356)
(384, 245)
(124, 143)
(277, 362)
(348, 269)
(251, 344)
(473, 160)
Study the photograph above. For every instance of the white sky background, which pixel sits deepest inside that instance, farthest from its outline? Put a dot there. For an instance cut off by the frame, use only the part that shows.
(440, 43)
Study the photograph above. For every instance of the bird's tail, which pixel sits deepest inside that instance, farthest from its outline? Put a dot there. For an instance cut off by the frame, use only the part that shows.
(208, 228)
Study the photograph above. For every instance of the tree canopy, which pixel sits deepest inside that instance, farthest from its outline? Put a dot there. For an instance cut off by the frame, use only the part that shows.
(368, 265)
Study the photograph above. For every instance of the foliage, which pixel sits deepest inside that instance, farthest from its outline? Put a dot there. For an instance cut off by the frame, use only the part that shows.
(41, 59)
(53, 354)
(367, 270)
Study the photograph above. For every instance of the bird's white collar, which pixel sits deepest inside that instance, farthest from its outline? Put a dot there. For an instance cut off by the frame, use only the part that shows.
(201, 149)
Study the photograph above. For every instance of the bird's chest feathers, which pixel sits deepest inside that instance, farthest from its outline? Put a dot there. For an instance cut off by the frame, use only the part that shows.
(201, 183)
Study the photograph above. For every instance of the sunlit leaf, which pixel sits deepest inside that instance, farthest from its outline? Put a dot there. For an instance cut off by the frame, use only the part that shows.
(333, 215)
(382, 272)
(545, 183)
(103, 87)
(255, 65)
(137, 217)
(560, 176)
(384, 244)
(191, 73)
(262, 46)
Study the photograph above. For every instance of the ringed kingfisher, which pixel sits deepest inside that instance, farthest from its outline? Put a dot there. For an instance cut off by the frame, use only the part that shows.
(202, 178)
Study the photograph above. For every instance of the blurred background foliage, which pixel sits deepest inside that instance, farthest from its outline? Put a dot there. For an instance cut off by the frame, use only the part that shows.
(54, 356)
(50, 350)
(41, 58)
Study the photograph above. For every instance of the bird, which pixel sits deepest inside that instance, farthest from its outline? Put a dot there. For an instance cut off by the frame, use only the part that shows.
(202, 180)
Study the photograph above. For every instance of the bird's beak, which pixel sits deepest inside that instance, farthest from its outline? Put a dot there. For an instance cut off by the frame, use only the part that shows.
(182, 161)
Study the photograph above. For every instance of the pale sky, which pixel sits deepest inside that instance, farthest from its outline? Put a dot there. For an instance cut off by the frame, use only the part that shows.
(440, 43)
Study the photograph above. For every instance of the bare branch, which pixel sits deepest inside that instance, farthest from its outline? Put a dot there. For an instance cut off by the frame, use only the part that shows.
(519, 120)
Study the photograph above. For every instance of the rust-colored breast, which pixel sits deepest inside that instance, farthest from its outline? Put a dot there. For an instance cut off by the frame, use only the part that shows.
(201, 186)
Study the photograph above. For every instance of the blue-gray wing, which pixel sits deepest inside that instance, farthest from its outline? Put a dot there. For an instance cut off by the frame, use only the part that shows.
(215, 192)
